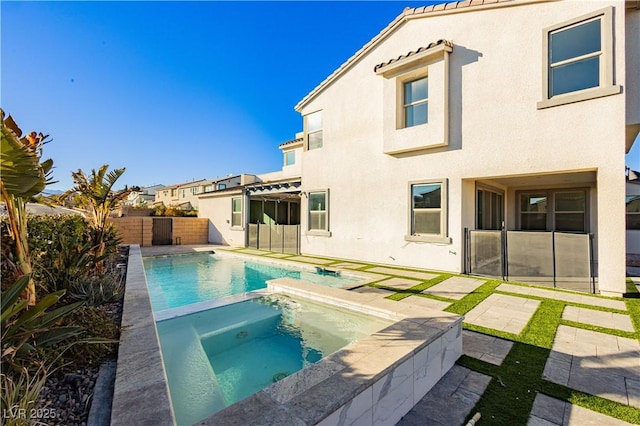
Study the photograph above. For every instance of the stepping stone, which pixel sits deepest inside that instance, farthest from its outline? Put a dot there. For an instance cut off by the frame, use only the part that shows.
(548, 411)
(400, 283)
(347, 265)
(580, 298)
(426, 302)
(502, 312)
(307, 259)
(379, 292)
(598, 318)
(597, 363)
(485, 348)
(423, 276)
(454, 287)
(450, 401)
(279, 255)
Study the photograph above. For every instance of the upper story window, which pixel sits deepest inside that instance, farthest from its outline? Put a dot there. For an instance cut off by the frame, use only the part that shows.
(222, 186)
(416, 104)
(289, 158)
(578, 59)
(313, 129)
(574, 57)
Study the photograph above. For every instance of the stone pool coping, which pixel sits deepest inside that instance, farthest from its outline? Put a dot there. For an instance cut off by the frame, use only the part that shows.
(335, 388)
(141, 393)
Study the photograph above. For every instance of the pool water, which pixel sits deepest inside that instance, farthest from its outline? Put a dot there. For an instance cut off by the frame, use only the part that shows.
(181, 280)
(217, 357)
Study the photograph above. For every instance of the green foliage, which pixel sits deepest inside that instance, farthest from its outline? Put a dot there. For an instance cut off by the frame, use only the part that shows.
(22, 176)
(20, 390)
(97, 290)
(26, 328)
(98, 343)
(172, 211)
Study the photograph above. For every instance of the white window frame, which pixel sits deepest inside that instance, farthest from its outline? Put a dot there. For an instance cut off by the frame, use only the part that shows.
(308, 133)
(443, 236)
(236, 216)
(606, 77)
(287, 155)
(319, 232)
(404, 105)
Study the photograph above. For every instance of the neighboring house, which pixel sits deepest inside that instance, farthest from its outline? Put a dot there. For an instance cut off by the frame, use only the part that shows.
(470, 137)
(633, 218)
(185, 195)
(142, 198)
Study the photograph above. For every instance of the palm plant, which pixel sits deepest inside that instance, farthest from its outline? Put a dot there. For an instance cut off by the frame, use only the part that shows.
(95, 192)
(23, 176)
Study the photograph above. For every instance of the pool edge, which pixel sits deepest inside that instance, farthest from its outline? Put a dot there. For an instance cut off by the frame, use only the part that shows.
(141, 393)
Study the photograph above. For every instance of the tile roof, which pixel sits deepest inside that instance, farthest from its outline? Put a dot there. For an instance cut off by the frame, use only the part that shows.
(291, 142)
(407, 14)
(413, 52)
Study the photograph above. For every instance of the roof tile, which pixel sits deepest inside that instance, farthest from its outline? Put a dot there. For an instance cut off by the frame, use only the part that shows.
(412, 52)
(438, 7)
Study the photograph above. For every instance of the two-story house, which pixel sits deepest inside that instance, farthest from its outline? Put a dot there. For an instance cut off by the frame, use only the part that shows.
(485, 137)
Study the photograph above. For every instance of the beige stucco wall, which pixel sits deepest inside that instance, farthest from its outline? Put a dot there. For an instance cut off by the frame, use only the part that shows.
(217, 211)
(495, 130)
(139, 230)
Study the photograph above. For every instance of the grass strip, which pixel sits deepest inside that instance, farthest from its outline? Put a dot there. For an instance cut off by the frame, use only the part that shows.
(509, 396)
(631, 289)
(472, 299)
(633, 306)
(541, 328)
(605, 330)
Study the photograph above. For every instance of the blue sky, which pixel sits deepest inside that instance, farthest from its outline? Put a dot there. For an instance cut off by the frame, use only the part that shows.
(175, 91)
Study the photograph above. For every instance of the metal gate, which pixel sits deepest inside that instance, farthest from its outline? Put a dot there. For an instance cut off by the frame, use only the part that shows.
(162, 231)
(559, 259)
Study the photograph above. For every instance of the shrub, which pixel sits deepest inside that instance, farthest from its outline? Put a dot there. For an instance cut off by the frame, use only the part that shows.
(97, 345)
(97, 290)
(19, 394)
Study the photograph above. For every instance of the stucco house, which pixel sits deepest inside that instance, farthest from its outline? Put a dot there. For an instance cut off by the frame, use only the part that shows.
(485, 137)
(632, 202)
(185, 195)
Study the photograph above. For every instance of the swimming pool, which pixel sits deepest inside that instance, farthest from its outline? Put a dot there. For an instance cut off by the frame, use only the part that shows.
(181, 280)
(217, 357)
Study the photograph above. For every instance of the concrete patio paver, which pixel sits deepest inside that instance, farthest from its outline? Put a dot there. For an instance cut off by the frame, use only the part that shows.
(307, 259)
(548, 411)
(373, 291)
(426, 302)
(399, 283)
(598, 318)
(423, 276)
(347, 265)
(450, 401)
(503, 312)
(582, 299)
(455, 287)
(485, 348)
(597, 363)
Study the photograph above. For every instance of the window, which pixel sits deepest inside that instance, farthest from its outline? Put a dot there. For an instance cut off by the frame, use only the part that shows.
(490, 209)
(563, 210)
(427, 209)
(289, 158)
(236, 211)
(570, 208)
(633, 211)
(533, 212)
(313, 128)
(578, 59)
(208, 188)
(222, 186)
(416, 104)
(318, 211)
(427, 212)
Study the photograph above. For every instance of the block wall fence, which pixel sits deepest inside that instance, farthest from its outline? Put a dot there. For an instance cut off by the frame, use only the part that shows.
(139, 230)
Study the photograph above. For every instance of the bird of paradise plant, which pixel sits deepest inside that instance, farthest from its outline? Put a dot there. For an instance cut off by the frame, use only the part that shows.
(22, 176)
